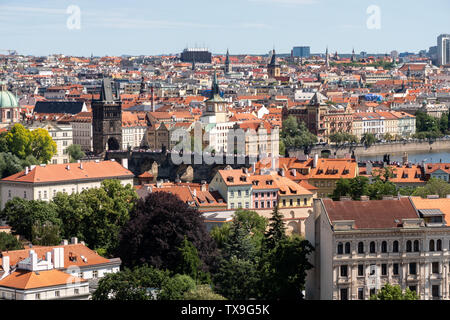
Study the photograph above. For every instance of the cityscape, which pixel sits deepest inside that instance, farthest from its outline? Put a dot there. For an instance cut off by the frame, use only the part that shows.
(216, 173)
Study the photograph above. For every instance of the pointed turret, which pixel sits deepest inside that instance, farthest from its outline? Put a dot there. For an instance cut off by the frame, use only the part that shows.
(106, 93)
(327, 62)
(227, 63)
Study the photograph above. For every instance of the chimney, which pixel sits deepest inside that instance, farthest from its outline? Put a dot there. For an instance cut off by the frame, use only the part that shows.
(345, 199)
(194, 193)
(282, 172)
(316, 160)
(81, 165)
(294, 172)
(34, 260)
(48, 257)
(365, 198)
(83, 243)
(26, 170)
(74, 240)
(254, 167)
(65, 242)
(125, 163)
(55, 252)
(203, 188)
(68, 167)
(61, 257)
(433, 196)
(5, 264)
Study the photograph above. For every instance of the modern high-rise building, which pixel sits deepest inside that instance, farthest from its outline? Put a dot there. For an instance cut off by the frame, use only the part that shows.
(301, 52)
(443, 54)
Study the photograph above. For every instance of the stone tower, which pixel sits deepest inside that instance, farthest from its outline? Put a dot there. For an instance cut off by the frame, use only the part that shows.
(227, 63)
(273, 68)
(107, 119)
(216, 106)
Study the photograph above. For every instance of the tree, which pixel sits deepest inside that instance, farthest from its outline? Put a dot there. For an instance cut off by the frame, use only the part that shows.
(140, 283)
(368, 139)
(22, 215)
(9, 242)
(202, 292)
(388, 137)
(75, 152)
(189, 260)
(389, 292)
(282, 148)
(284, 269)
(433, 186)
(42, 145)
(108, 211)
(157, 227)
(237, 279)
(343, 188)
(276, 231)
(295, 135)
(18, 141)
(73, 212)
(175, 287)
(45, 234)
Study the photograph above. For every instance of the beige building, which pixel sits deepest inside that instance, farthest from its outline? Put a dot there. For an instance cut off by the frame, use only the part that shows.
(82, 130)
(360, 246)
(43, 182)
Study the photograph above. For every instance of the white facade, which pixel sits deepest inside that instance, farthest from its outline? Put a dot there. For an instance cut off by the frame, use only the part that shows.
(443, 48)
(134, 137)
(82, 134)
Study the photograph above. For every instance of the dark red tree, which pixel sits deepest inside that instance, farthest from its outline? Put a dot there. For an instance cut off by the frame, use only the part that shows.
(156, 230)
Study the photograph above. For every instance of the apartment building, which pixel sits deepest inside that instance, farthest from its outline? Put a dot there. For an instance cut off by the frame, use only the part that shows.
(43, 182)
(361, 245)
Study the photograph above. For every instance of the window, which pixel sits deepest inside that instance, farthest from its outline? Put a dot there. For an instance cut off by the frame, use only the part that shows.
(256, 194)
(431, 245)
(344, 294)
(372, 292)
(360, 247)
(347, 247)
(246, 205)
(284, 202)
(340, 248)
(372, 247)
(95, 274)
(416, 246)
(298, 201)
(360, 293)
(232, 205)
(408, 246)
(239, 204)
(231, 194)
(384, 269)
(56, 293)
(256, 204)
(360, 270)
(384, 247)
(435, 291)
(305, 201)
(344, 270)
(246, 193)
(435, 267)
(439, 245)
(9, 193)
(412, 268)
(274, 204)
(290, 202)
(38, 296)
(24, 194)
(39, 195)
(395, 246)
(239, 193)
(45, 194)
(262, 204)
(77, 291)
(395, 269)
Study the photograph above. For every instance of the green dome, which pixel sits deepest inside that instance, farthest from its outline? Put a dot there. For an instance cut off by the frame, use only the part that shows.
(8, 100)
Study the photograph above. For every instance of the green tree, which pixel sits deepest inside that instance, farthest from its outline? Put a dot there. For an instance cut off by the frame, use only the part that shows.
(343, 188)
(284, 268)
(174, 288)
(73, 212)
(75, 152)
(276, 231)
(282, 148)
(45, 234)
(18, 141)
(9, 242)
(368, 139)
(390, 292)
(42, 145)
(433, 186)
(140, 283)
(202, 292)
(296, 135)
(189, 262)
(22, 215)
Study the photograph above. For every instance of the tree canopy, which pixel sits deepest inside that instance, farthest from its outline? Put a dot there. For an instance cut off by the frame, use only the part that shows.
(295, 135)
(390, 292)
(75, 152)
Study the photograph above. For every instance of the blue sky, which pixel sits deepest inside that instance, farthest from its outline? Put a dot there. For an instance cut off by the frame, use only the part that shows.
(111, 27)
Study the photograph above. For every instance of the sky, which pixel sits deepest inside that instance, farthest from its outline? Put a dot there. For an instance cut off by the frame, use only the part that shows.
(150, 27)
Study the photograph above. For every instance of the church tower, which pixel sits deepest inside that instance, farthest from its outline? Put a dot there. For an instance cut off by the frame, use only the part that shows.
(227, 63)
(353, 55)
(327, 62)
(107, 119)
(216, 106)
(273, 68)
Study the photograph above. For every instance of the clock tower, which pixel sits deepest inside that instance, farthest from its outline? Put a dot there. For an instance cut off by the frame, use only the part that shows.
(216, 106)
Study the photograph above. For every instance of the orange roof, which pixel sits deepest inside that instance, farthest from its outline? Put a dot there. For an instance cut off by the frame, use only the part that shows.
(24, 279)
(235, 177)
(71, 171)
(442, 204)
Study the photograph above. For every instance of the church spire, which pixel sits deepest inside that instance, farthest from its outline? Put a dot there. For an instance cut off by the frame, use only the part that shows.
(327, 62)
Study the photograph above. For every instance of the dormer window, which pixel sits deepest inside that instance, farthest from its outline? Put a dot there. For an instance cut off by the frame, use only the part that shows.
(230, 179)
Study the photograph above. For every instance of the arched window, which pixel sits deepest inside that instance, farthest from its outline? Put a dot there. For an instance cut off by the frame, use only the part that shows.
(360, 247)
(340, 248)
(372, 247)
(431, 245)
(408, 246)
(395, 246)
(347, 247)
(384, 247)
(439, 245)
(416, 246)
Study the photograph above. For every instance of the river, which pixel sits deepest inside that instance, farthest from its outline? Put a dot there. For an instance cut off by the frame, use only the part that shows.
(428, 157)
